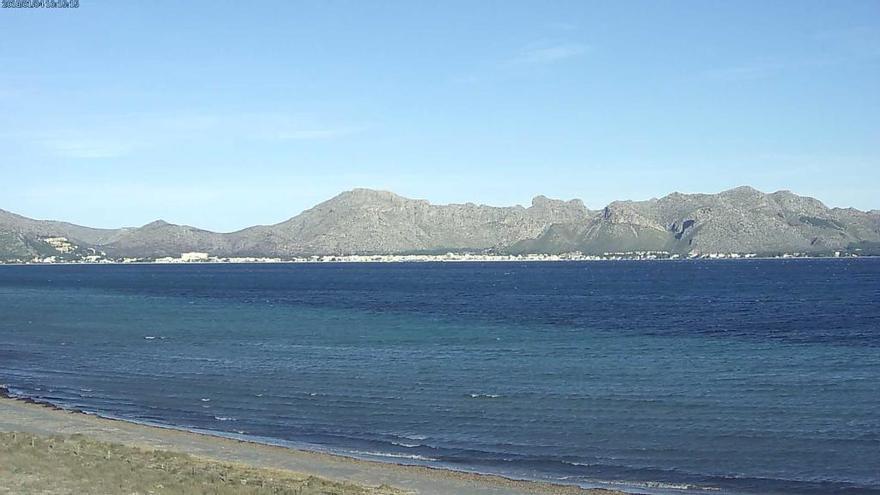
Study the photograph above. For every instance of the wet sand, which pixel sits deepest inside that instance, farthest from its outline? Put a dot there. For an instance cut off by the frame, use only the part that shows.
(258, 462)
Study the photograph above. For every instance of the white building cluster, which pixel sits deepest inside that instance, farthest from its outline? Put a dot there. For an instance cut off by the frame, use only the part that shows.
(64, 247)
(60, 244)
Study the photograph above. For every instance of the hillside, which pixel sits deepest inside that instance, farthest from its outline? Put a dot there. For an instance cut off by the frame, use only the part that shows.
(364, 221)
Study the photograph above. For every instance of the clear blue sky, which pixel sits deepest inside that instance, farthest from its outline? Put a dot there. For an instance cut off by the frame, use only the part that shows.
(222, 114)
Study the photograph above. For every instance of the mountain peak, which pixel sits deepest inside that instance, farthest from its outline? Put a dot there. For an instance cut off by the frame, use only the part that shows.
(156, 224)
(369, 193)
(544, 202)
(742, 191)
(364, 195)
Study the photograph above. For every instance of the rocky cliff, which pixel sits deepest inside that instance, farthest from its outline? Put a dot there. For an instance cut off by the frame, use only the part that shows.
(741, 220)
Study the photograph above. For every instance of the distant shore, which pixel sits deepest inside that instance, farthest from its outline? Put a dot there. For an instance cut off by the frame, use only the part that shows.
(449, 258)
(334, 474)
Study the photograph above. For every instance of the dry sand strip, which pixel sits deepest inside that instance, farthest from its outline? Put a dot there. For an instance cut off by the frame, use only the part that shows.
(147, 447)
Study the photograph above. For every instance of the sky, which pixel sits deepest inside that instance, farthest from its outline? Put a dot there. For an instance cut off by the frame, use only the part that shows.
(225, 114)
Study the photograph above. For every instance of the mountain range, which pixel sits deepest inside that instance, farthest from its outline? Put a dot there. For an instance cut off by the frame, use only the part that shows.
(364, 221)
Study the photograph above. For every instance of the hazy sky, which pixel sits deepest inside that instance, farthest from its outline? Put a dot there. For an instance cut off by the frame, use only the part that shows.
(223, 114)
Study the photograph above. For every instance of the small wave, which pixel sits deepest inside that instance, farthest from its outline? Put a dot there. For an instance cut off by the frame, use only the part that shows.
(414, 457)
(149, 337)
(205, 400)
(224, 418)
(484, 396)
(663, 486)
(415, 437)
(407, 445)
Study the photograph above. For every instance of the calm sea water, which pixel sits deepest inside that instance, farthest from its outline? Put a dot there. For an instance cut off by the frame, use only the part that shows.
(744, 376)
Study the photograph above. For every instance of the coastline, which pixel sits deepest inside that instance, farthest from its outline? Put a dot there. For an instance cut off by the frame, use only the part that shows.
(463, 260)
(26, 415)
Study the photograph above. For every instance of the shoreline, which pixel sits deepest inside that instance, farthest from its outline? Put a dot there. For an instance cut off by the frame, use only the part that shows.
(444, 261)
(27, 415)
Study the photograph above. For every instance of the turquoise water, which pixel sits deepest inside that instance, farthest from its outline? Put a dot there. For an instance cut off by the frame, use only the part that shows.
(744, 377)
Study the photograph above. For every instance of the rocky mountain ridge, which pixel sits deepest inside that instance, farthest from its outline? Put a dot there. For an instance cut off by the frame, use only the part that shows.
(364, 221)
(740, 220)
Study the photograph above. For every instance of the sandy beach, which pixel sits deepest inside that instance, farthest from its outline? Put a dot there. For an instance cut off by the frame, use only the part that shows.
(54, 451)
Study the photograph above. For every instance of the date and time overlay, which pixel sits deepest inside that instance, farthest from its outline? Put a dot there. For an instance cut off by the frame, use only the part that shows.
(39, 4)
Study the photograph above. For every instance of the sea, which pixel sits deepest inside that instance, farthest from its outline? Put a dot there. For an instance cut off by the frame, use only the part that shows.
(701, 376)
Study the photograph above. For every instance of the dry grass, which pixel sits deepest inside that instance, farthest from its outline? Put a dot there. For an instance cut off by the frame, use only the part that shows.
(56, 465)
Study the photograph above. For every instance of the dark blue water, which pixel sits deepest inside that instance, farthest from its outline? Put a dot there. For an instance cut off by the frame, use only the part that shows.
(743, 376)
